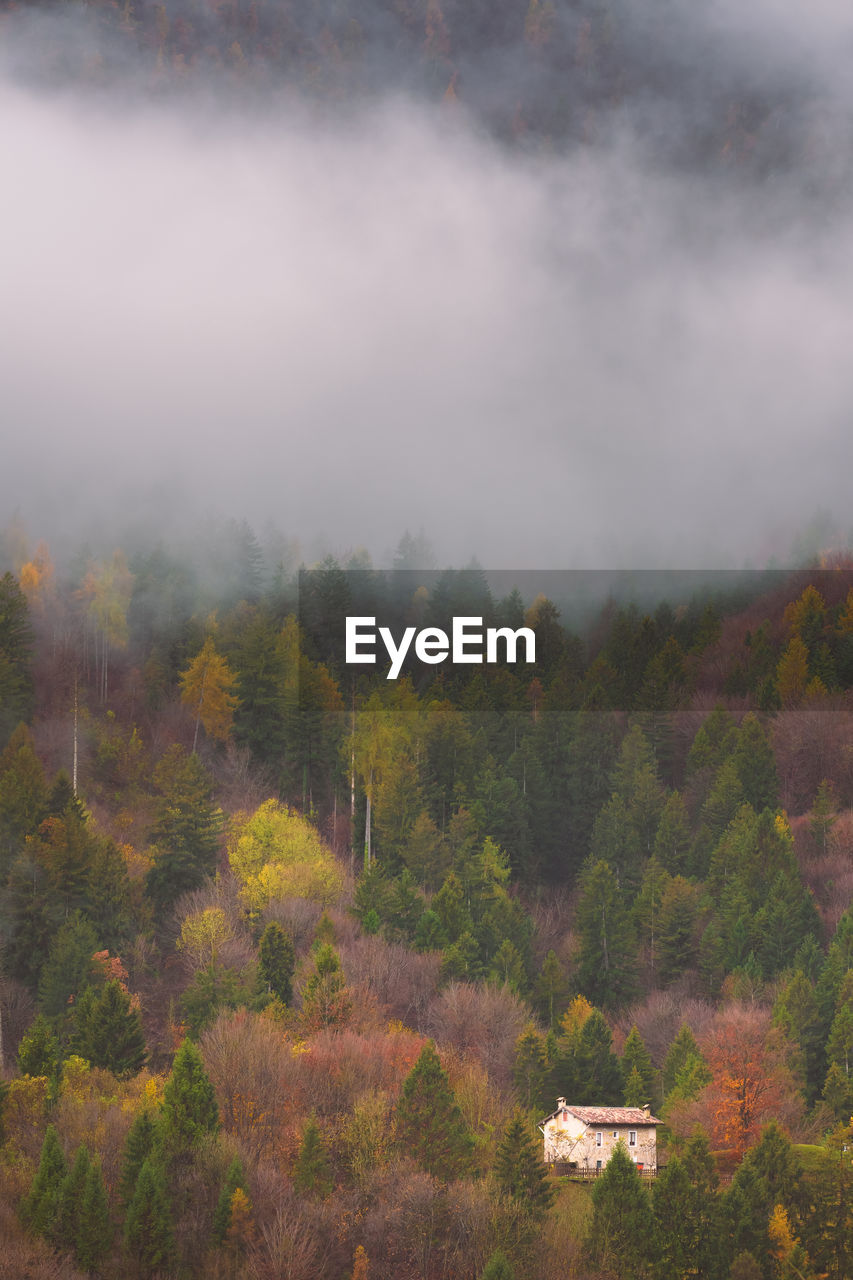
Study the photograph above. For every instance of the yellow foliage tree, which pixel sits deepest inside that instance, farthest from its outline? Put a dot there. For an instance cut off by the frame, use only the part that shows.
(359, 1263)
(277, 853)
(206, 688)
(792, 673)
(203, 934)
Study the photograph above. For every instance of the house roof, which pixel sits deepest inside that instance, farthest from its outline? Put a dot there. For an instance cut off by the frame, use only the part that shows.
(607, 1116)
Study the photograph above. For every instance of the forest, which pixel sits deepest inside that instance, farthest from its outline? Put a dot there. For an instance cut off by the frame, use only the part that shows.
(295, 961)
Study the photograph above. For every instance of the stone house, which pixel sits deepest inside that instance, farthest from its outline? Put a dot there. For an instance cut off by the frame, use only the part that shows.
(584, 1138)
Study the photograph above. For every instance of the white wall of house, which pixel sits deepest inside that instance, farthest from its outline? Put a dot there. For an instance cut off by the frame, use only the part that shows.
(571, 1140)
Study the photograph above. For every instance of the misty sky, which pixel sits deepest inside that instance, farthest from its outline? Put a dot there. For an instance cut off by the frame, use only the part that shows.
(384, 320)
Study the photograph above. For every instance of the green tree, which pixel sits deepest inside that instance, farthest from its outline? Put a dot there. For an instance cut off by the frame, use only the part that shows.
(672, 839)
(755, 763)
(190, 1109)
(682, 1049)
(234, 1178)
(498, 1268)
(518, 1167)
(109, 1030)
(529, 1069)
(38, 1208)
(312, 1172)
(63, 1229)
(276, 960)
(428, 1122)
(140, 1143)
(635, 1058)
(186, 829)
(93, 1236)
(149, 1237)
(38, 1052)
(677, 919)
(326, 1001)
(23, 793)
(607, 959)
(68, 970)
(16, 640)
(552, 990)
(430, 935)
(620, 1232)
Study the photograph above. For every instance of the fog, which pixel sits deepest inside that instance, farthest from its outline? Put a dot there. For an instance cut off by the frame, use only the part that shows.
(382, 316)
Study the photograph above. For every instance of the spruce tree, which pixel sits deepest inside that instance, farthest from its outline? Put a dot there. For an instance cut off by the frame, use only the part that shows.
(234, 1178)
(276, 959)
(326, 1001)
(139, 1144)
(149, 1237)
(519, 1170)
(635, 1058)
(312, 1173)
(429, 1124)
(683, 1047)
(189, 1102)
(620, 1232)
(186, 829)
(38, 1209)
(63, 1229)
(109, 1030)
(93, 1236)
(498, 1268)
(607, 960)
(552, 990)
(529, 1069)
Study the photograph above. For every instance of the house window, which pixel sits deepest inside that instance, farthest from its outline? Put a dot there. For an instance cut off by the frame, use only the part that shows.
(632, 1138)
(615, 1133)
(598, 1138)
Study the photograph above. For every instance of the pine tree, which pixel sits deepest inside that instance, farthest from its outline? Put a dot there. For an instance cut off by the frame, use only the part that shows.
(519, 1170)
(755, 763)
(683, 1047)
(429, 1124)
(430, 935)
(672, 839)
(186, 830)
(234, 1179)
(109, 1030)
(607, 960)
(63, 1229)
(529, 1069)
(68, 970)
(189, 1103)
(38, 1209)
(94, 1229)
(312, 1173)
(276, 958)
(149, 1237)
(635, 1057)
(552, 990)
(139, 1144)
(497, 1268)
(620, 1233)
(326, 1001)
(596, 1072)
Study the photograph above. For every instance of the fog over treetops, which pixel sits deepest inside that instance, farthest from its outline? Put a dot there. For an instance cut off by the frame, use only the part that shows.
(563, 284)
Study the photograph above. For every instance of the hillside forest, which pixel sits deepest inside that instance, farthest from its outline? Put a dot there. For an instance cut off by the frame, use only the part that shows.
(294, 963)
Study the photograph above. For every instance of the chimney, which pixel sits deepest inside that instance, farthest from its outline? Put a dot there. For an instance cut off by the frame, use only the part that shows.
(561, 1102)
(646, 1108)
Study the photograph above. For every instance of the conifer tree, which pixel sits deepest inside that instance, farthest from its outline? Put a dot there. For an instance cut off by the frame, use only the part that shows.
(429, 934)
(94, 1228)
(68, 970)
(598, 1079)
(63, 1229)
(186, 829)
(551, 991)
(326, 1001)
(620, 1232)
(755, 763)
(635, 1058)
(109, 1030)
(139, 1144)
(607, 960)
(276, 962)
(429, 1124)
(38, 1208)
(149, 1237)
(683, 1047)
(529, 1069)
(312, 1173)
(519, 1170)
(234, 1179)
(498, 1268)
(189, 1103)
